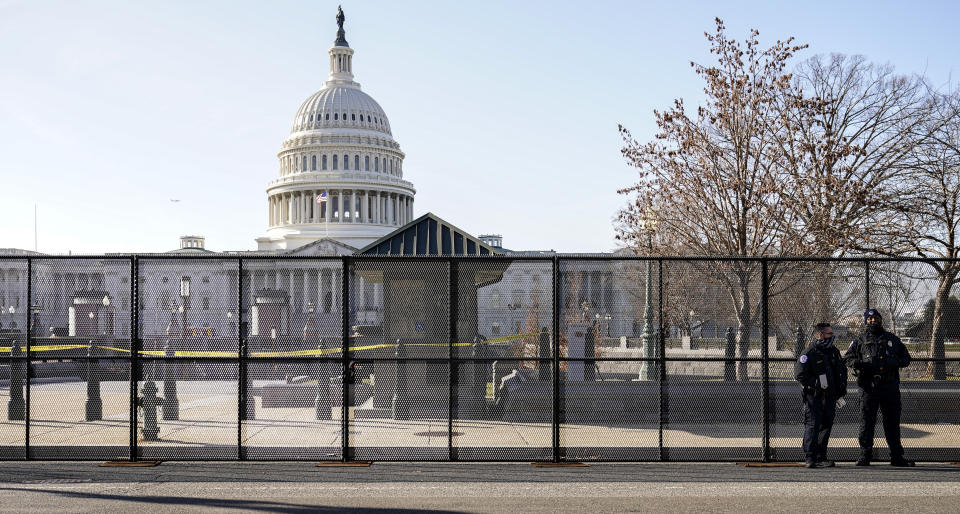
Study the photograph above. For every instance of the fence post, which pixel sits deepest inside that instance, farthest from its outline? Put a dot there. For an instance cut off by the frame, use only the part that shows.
(243, 400)
(451, 368)
(866, 284)
(171, 404)
(134, 352)
(799, 343)
(15, 405)
(765, 356)
(345, 360)
(662, 364)
(555, 430)
(94, 404)
(323, 389)
(28, 366)
(729, 366)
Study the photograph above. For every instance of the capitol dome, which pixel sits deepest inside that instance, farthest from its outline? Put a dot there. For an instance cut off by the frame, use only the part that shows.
(340, 107)
(341, 171)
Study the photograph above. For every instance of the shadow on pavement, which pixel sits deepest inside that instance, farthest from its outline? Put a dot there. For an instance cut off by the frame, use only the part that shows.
(215, 503)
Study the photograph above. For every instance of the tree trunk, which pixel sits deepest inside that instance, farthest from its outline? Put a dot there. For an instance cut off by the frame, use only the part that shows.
(743, 330)
(938, 368)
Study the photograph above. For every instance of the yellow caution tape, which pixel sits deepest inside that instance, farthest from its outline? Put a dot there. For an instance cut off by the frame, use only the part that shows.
(293, 353)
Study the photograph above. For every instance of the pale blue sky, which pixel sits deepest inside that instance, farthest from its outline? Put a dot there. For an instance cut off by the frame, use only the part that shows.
(507, 111)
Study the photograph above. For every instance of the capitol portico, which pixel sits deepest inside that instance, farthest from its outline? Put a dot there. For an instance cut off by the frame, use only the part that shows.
(340, 144)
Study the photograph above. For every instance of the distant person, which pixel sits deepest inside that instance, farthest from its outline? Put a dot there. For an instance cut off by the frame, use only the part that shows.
(876, 357)
(823, 376)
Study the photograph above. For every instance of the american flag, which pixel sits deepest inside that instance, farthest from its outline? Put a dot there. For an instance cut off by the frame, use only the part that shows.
(322, 197)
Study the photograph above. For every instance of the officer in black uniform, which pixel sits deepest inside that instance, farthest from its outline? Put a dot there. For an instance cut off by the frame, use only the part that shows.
(876, 357)
(821, 372)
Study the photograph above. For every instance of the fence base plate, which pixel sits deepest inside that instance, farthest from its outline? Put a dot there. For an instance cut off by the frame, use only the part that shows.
(771, 464)
(130, 463)
(563, 464)
(347, 464)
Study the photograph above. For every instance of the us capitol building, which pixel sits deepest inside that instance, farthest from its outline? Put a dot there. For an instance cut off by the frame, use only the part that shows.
(340, 144)
(340, 191)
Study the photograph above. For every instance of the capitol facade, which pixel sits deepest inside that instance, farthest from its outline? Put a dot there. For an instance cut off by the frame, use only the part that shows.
(341, 171)
(340, 191)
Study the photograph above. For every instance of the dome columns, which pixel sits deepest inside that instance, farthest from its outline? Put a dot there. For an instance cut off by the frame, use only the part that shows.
(343, 205)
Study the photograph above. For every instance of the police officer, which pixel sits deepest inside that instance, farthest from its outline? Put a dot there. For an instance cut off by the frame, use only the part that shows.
(876, 357)
(821, 372)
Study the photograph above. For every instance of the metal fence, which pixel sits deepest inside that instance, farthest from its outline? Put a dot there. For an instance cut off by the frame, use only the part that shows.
(488, 358)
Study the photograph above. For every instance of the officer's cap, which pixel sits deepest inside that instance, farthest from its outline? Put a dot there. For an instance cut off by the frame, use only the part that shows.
(871, 312)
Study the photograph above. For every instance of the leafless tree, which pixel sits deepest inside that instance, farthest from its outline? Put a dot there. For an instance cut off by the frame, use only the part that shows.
(846, 141)
(712, 178)
(927, 208)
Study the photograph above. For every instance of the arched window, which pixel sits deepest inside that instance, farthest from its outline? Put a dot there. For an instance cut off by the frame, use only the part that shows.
(334, 115)
(344, 116)
(323, 162)
(313, 163)
(346, 162)
(366, 162)
(376, 164)
(334, 162)
(356, 162)
(353, 117)
(327, 116)
(368, 118)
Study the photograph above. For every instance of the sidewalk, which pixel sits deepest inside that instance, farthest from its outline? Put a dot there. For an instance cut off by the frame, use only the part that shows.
(208, 418)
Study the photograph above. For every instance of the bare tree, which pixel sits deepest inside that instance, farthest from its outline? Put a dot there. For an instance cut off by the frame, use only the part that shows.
(846, 140)
(927, 209)
(712, 178)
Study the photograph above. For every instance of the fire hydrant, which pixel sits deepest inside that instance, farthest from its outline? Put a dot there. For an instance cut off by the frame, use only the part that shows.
(149, 402)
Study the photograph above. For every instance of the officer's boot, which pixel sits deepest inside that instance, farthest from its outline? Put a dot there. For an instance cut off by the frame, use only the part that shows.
(900, 462)
(865, 457)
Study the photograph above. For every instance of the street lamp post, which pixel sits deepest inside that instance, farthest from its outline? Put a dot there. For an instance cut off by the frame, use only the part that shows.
(171, 404)
(648, 226)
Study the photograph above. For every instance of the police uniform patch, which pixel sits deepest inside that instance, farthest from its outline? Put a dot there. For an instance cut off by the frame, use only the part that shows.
(803, 359)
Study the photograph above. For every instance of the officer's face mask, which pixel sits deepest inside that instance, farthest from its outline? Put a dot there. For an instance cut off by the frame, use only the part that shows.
(825, 341)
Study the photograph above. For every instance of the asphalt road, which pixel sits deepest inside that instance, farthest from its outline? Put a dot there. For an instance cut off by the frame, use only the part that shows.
(473, 487)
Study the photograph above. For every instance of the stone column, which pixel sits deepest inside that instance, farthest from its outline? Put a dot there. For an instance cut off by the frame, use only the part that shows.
(303, 206)
(353, 206)
(364, 207)
(299, 206)
(340, 206)
(326, 207)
